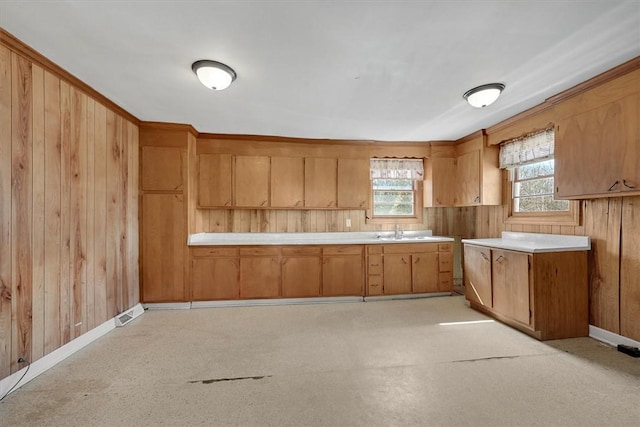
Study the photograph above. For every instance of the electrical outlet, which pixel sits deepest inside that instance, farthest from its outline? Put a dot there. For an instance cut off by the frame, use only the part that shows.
(347, 222)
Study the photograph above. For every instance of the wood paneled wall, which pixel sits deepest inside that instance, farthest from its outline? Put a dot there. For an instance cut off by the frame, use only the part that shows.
(443, 221)
(68, 212)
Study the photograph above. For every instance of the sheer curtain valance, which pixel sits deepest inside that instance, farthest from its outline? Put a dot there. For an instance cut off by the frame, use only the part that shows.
(397, 169)
(531, 148)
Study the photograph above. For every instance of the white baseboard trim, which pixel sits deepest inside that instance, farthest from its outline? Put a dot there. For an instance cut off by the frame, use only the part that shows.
(406, 296)
(168, 306)
(275, 301)
(58, 355)
(610, 338)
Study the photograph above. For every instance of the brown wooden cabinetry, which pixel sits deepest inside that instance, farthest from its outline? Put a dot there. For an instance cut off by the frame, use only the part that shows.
(320, 182)
(440, 182)
(260, 272)
(478, 177)
(477, 275)
(542, 294)
(214, 180)
(301, 271)
(407, 268)
(607, 162)
(251, 181)
(214, 273)
(163, 247)
(354, 183)
(342, 270)
(163, 168)
(287, 182)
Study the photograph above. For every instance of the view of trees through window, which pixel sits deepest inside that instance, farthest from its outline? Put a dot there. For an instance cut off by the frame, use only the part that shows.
(533, 189)
(393, 197)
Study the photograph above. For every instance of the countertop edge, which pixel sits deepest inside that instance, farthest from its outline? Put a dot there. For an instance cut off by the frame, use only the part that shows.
(521, 248)
(324, 242)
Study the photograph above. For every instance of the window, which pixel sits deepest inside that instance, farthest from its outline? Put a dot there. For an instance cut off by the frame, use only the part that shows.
(396, 186)
(532, 189)
(531, 165)
(393, 197)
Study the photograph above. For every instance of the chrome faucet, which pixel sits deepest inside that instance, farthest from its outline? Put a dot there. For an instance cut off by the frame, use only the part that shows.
(399, 232)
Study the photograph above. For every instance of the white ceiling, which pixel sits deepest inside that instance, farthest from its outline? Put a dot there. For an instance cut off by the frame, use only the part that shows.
(368, 70)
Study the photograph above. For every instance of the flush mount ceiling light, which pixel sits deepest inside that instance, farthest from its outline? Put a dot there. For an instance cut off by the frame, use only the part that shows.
(213, 74)
(484, 95)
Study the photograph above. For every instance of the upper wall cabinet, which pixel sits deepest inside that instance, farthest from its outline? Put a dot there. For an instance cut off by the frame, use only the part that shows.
(320, 182)
(478, 178)
(214, 180)
(287, 182)
(252, 181)
(597, 151)
(440, 176)
(163, 168)
(354, 183)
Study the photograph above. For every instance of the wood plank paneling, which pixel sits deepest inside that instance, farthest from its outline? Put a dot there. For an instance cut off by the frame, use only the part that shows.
(21, 194)
(65, 222)
(52, 190)
(55, 222)
(5, 212)
(100, 215)
(38, 214)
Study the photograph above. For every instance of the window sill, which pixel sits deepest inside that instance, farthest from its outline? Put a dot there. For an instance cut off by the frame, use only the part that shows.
(572, 217)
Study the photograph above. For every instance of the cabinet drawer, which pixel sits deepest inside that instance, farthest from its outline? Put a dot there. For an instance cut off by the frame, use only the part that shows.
(410, 248)
(343, 250)
(301, 250)
(260, 251)
(445, 282)
(445, 247)
(214, 252)
(374, 265)
(445, 261)
(374, 249)
(374, 285)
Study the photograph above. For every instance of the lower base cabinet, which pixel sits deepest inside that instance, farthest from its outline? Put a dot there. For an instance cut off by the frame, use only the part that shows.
(342, 271)
(416, 268)
(542, 294)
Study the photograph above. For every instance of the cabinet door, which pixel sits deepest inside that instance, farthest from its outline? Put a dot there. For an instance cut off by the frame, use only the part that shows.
(163, 168)
(397, 274)
(425, 272)
(631, 164)
(342, 275)
(354, 183)
(301, 277)
(468, 179)
(259, 277)
(164, 236)
(630, 269)
(287, 182)
(320, 182)
(440, 182)
(477, 275)
(589, 151)
(511, 284)
(214, 180)
(252, 181)
(214, 278)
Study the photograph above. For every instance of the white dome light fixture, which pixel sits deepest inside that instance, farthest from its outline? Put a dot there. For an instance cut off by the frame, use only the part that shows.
(483, 96)
(213, 74)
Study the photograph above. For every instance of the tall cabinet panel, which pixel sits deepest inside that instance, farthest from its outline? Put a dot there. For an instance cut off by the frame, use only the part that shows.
(163, 247)
(630, 269)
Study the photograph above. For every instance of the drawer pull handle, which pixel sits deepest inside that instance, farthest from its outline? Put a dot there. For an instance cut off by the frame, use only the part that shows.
(486, 258)
(500, 258)
(374, 265)
(628, 185)
(613, 185)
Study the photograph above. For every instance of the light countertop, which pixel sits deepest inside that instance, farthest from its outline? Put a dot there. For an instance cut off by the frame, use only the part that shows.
(534, 242)
(338, 238)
